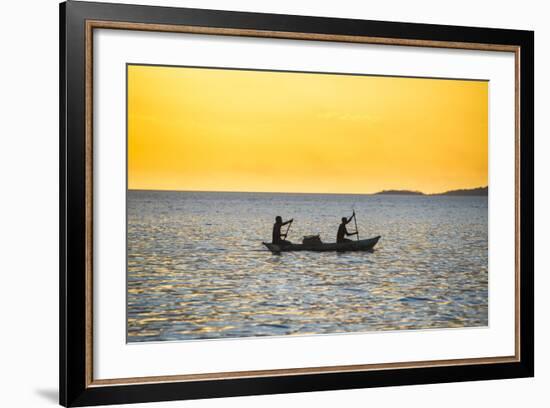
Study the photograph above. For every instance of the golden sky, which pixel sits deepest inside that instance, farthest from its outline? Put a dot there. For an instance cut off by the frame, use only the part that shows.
(236, 130)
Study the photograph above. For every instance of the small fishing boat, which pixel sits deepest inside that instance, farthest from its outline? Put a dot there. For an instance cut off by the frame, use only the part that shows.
(360, 245)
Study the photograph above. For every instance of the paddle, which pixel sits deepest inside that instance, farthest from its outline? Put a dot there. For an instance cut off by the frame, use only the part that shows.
(355, 219)
(288, 228)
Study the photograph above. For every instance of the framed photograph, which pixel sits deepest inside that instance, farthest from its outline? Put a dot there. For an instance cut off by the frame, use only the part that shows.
(256, 203)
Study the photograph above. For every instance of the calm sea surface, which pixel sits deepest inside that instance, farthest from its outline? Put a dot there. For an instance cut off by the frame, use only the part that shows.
(197, 268)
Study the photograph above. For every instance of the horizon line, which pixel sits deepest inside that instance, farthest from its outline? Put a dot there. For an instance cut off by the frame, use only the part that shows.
(304, 193)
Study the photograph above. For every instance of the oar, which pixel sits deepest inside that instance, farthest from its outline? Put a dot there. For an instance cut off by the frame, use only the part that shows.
(356, 230)
(288, 228)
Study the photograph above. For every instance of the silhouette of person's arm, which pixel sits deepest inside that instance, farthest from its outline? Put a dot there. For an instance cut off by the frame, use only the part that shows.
(347, 222)
(288, 222)
(349, 219)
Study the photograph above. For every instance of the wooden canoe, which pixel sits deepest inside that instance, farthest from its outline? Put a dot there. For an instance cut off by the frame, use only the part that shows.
(361, 245)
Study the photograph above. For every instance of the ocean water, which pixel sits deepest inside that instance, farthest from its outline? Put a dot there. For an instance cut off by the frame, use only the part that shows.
(197, 268)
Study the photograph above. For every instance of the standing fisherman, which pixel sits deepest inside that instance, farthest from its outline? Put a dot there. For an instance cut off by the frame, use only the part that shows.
(279, 238)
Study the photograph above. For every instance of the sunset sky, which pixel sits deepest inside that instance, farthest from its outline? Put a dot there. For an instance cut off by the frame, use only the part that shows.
(236, 130)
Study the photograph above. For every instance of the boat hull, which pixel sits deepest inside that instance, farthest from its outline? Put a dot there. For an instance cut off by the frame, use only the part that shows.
(361, 245)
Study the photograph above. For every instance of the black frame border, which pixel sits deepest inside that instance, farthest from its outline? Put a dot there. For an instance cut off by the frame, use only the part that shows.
(72, 255)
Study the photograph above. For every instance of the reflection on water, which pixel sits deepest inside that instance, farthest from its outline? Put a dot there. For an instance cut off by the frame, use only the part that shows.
(197, 268)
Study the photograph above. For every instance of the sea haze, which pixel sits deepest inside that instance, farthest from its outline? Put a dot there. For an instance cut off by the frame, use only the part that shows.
(197, 268)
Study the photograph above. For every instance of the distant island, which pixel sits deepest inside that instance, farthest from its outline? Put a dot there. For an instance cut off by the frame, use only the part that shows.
(479, 191)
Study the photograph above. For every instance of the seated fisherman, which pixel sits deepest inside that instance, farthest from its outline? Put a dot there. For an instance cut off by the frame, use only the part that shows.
(278, 237)
(343, 232)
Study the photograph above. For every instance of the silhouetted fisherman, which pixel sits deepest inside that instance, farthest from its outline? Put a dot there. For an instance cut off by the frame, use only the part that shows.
(343, 232)
(279, 238)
